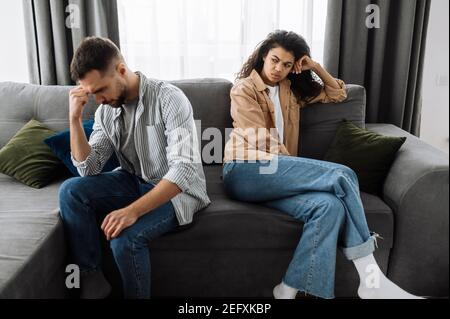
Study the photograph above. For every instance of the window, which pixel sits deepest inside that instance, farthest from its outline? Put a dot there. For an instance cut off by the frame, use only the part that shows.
(180, 39)
(13, 58)
(435, 109)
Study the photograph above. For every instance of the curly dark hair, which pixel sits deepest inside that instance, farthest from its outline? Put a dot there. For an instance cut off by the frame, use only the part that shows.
(305, 86)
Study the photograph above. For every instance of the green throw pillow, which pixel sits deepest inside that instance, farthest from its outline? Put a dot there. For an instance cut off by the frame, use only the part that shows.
(369, 154)
(27, 158)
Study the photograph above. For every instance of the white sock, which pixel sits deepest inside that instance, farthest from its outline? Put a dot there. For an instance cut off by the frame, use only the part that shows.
(374, 284)
(283, 291)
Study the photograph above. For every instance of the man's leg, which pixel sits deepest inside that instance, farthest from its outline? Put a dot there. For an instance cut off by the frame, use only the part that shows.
(86, 200)
(131, 251)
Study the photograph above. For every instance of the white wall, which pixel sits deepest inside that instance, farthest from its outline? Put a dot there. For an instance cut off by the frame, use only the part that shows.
(435, 108)
(13, 59)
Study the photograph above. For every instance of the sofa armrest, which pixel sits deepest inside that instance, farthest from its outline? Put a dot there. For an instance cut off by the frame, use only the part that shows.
(417, 189)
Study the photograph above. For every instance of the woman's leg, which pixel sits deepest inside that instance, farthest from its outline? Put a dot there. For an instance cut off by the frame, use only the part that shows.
(312, 268)
(295, 176)
(131, 251)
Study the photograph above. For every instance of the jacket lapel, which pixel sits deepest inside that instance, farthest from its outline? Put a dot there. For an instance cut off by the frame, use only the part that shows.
(262, 87)
(285, 87)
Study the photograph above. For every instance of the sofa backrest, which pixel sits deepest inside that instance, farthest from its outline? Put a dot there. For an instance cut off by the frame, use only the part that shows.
(319, 122)
(210, 99)
(21, 102)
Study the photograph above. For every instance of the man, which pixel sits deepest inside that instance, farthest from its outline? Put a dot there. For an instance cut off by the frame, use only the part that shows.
(160, 184)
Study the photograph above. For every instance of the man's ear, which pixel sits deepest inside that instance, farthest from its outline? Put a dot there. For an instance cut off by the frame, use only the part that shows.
(121, 68)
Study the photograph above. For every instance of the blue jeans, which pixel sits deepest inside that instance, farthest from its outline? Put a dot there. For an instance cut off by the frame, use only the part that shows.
(325, 197)
(85, 201)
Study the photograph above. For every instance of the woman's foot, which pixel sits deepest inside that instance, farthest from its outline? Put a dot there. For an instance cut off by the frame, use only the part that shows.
(385, 289)
(283, 291)
(374, 284)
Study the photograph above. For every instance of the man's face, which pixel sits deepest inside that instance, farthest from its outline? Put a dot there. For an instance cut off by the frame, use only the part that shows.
(109, 88)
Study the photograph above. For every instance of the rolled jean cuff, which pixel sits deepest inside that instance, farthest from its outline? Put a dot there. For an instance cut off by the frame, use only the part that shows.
(362, 250)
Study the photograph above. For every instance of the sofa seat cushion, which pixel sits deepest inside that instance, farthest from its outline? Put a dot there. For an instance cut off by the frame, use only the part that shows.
(32, 249)
(229, 224)
(235, 249)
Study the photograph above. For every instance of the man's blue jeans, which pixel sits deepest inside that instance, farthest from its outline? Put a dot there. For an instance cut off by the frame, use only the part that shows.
(325, 197)
(85, 201)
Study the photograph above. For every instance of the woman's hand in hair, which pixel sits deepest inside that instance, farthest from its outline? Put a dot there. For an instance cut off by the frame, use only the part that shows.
(303, 64)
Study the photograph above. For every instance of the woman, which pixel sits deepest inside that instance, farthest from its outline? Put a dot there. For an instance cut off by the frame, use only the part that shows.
(261, 166)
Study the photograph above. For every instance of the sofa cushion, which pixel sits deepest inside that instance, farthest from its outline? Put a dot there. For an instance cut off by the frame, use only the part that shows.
(26, 157)
(369, 154)
(229, 240)
(319, 122)
(226, 224)
(48, 104)
(32, 247)
(60, 145)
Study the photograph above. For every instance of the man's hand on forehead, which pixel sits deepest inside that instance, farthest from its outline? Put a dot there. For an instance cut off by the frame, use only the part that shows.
(78, 97)
(79, 91)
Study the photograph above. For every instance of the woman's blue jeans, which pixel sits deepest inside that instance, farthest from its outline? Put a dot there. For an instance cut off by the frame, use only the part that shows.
(85, 201)
(325, 197)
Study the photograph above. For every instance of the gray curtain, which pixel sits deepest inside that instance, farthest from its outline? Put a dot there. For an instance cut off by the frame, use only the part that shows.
(54, 29)
(387, 61)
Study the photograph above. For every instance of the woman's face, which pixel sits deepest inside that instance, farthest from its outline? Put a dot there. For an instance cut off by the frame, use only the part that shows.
(277, 64)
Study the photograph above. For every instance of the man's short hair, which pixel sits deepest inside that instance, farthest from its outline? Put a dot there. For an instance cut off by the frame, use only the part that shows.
(94, 53)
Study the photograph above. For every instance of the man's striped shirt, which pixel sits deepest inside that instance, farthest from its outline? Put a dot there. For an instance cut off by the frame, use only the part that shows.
(166, 144)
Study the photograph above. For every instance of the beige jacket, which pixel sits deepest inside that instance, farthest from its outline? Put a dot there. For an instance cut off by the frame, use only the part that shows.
(253, 136)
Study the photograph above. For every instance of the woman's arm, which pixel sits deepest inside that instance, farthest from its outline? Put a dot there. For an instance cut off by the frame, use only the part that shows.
(326, 77)
(334, 89)
(306, 63)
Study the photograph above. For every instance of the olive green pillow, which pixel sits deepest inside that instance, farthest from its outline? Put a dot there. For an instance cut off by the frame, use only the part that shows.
(27, 158)
(369, 154)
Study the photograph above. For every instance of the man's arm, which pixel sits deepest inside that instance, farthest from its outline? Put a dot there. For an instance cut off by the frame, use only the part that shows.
(160, 194)
(118, 220)
(181, 154)
(79, 145)
(88, 157)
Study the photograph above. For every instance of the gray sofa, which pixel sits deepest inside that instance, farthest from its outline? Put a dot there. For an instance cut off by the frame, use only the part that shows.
(232, 249)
